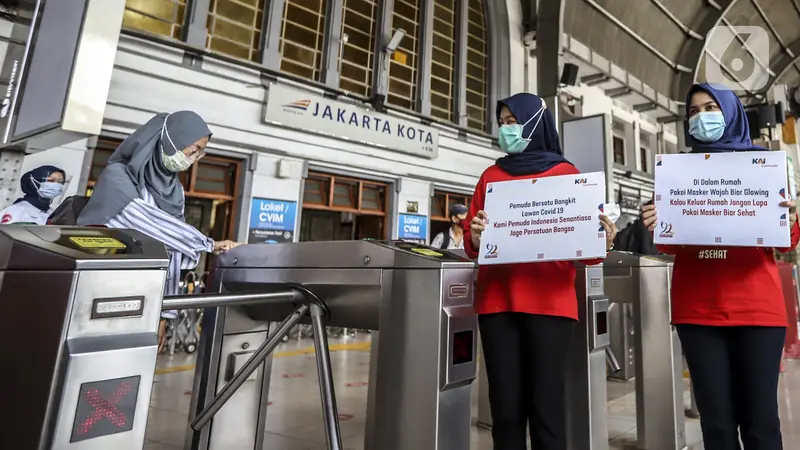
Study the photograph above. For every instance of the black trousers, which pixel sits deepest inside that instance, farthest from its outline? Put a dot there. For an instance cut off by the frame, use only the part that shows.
(526, 368)
(735, 374)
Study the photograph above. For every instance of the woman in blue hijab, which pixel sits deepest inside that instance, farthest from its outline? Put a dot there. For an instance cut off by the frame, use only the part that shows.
(39, 186)
(526, 312)
(727, 302)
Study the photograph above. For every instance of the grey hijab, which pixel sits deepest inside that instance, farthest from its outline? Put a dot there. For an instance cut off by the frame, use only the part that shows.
(136, 164)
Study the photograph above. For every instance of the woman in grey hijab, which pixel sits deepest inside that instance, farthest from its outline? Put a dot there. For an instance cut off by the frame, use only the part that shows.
(140, 189)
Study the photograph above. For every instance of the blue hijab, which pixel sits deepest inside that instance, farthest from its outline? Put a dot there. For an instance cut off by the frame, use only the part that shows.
(544, 149)
(736, 137)
(31, 188)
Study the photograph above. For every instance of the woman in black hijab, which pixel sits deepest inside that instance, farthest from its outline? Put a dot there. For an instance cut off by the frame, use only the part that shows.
(39, 186)
(526, 312)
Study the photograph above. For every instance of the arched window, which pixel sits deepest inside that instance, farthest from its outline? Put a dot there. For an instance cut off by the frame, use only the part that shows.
(234, 27)
(443, 60)
(477, 62)
(404, 63)
(162, 17)
(358, 56)
(302, 36)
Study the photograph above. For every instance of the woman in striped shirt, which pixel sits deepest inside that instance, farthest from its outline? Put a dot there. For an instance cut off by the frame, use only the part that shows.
(140, 189)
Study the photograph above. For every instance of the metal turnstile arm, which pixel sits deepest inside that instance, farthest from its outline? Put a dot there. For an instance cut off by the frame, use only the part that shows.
(611, 361)
(330, 412)
(215, 300)
(248, 368)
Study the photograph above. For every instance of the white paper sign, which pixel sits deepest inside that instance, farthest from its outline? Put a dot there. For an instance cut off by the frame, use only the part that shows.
(544, 219)
(722, 199)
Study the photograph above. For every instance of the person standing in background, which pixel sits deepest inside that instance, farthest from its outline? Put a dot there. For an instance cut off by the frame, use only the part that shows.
(40, 186)
(453, 239)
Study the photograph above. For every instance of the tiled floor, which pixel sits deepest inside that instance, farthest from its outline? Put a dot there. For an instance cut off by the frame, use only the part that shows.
(294, 419)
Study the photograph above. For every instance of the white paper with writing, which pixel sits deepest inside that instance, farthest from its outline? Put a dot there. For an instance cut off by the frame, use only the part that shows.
(722, 199)
(544, 219)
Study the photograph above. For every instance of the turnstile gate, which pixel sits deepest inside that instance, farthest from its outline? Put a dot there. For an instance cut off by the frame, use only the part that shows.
(80, 341)
(586, 393)
(644, 283)
(423, 357)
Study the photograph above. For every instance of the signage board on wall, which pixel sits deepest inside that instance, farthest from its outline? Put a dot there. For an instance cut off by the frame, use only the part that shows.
(271, 221)
(314, 113)
(413, 227)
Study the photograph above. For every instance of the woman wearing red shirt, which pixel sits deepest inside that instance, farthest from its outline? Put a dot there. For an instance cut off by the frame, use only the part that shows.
(727, 302)
(527, 312)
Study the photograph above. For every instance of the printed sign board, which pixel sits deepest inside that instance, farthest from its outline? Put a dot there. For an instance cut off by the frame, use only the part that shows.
(272, 221)
(722, 199)
(412, 227)
(316, 114)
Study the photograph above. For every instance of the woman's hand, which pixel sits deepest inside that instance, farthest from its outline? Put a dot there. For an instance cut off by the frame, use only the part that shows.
(611, 231)
(649, 217)
(477, 227)
(792, 212)
(224, 246)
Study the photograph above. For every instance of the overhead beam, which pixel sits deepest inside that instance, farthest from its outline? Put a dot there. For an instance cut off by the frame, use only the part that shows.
(688, 31)
(774, 31)
(643, 42)
(549, 47)
(644, 107)
(595, 79)
(618, 92)
(784, 62)
(529, 15)
(691, 52)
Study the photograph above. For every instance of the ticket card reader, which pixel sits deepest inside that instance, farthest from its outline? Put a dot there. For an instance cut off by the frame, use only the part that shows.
(86, 301)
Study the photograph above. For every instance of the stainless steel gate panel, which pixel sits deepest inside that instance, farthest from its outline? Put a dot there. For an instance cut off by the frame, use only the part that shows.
(645, 282)
(92, 298)
(423, 356)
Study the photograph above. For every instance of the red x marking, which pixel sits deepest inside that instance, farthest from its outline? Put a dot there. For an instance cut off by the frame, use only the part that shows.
(105, 408)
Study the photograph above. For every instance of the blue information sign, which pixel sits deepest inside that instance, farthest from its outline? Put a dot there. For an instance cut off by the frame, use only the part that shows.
(413, 227)
(272, 221)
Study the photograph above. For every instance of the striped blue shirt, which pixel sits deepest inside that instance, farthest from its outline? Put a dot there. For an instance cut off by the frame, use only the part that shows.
(185, 244)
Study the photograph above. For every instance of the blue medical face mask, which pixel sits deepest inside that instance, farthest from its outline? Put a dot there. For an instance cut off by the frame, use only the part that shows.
(49, 189)
(510, 136)
(707, 126)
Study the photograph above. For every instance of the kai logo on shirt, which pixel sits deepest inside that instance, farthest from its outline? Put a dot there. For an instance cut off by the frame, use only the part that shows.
(712, 254)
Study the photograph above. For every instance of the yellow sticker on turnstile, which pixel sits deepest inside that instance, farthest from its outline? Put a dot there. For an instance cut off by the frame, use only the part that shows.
(96, 242)
(427, 252)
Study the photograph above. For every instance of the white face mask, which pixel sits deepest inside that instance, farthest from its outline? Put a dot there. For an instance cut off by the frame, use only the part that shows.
(177, 162)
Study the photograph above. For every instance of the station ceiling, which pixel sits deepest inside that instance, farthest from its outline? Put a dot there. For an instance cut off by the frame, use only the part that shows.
(664, 42)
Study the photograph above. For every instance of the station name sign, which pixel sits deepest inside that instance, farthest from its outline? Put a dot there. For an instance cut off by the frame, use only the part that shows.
(302, 110)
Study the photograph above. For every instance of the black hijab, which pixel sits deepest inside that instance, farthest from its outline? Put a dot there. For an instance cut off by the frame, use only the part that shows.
(30, 186)
(544, 149)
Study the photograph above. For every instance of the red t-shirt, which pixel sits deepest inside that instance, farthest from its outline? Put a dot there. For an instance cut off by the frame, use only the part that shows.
(727, 286)
(546, 288)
